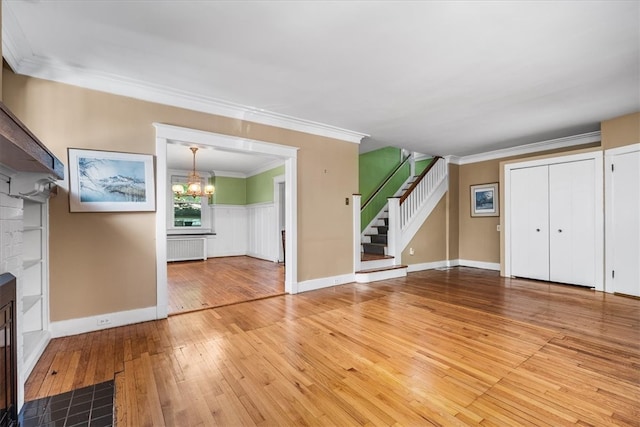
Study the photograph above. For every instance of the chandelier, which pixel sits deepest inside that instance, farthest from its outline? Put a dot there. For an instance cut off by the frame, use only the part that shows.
(194, 183)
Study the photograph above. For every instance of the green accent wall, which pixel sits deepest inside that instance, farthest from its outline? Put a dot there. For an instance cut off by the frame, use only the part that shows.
(230, 191)
(245, 191)
(421, 165)
(377, 203)
(374, 167)
(260, 187)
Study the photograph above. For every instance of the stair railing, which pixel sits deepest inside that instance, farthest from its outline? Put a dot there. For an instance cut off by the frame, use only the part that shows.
(421, 188)
(404, 210)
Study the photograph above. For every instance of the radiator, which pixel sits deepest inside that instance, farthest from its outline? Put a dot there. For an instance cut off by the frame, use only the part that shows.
(187, 248)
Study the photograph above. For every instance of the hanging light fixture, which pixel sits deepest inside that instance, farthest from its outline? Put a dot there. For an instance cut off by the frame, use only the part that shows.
(194, 183)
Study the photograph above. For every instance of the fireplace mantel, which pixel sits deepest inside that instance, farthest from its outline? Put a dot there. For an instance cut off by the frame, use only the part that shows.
(31, 167)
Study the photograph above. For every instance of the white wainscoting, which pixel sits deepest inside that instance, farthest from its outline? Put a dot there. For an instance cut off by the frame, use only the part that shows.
(262, 231)
(245, 230)
(230, 226)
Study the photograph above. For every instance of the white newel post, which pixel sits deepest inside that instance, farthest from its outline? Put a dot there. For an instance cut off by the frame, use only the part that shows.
(394, 234)
(356, 201)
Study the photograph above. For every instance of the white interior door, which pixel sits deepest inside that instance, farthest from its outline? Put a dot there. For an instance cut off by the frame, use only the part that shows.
(529, 199)
(572, 238)
(625, 221)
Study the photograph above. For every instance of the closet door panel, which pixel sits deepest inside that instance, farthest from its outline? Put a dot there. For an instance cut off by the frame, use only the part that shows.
(572, 223)
(530, 222)
(625, 210)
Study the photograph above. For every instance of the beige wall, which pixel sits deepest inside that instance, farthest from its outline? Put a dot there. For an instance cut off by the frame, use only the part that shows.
(479, 238)
(621, 131)
(105, 262)
(430, 242)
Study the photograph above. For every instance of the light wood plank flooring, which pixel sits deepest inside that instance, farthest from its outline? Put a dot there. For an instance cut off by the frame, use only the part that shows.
(455, 347)
(195, 285)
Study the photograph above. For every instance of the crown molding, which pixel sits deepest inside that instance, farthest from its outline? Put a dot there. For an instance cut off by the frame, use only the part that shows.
(230, 174)
(19, 56)
(552, 144)
(266, 167)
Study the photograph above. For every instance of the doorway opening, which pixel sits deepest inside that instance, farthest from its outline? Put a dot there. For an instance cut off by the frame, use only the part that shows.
(166, 135)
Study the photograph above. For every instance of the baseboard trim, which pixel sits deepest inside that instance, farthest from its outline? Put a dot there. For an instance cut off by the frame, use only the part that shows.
(325, 282)
(83, 325)
(453, 263)
(412, 268)
(260, 256)
(480, 264)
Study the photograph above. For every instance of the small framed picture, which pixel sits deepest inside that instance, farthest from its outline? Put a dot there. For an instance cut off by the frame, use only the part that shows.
(484, 200)
(108, 181)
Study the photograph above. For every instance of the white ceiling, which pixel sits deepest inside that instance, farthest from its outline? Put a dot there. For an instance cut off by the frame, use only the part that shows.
(222, 162)
(437, 77)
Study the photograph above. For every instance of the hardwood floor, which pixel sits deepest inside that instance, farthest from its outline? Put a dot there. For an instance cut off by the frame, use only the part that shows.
(455, 347)
(194, 285)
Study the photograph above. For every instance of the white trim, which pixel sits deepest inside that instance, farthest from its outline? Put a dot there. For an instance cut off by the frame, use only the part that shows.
(29, 362)
(277, 180)
(412, 268)
(479, 264)
(83, 325)
(377, 275)
(229, 174)
(166, 134)
(325, 282)
(552, 144)
(608, 207)
(595, 155)
(255, 205)
(622, 150)
(419, 156)
(18, 53)
(356, 202)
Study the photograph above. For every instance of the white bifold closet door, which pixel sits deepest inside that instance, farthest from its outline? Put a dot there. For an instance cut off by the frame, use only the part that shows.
(553, 222)
(572, 239)
(530, 222)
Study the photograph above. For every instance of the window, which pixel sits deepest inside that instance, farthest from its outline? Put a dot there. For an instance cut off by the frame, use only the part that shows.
(187, 211)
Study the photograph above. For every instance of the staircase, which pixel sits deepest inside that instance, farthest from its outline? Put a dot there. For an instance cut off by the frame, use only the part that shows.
(375, 242)
(377, 259)
(375, 263)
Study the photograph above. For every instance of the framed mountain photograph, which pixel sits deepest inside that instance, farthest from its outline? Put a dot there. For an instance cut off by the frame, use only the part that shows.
(109, 181)
(484, 200)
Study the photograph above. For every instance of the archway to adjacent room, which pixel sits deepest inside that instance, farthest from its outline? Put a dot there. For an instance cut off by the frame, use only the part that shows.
(167, 134)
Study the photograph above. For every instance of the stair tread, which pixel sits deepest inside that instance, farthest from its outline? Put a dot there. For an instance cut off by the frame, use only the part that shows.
(376, 244)
(373, 257)
(373, 270)
(376, 234)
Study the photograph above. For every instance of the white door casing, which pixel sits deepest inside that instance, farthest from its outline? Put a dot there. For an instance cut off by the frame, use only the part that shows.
(591, 188)
(167, 133)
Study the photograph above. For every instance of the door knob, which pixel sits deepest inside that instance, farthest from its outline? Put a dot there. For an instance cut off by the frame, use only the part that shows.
(537, 229)
(559, 230)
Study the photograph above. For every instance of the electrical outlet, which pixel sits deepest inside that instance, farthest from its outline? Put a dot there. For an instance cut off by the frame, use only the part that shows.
(104, 321)
(346, 201)
(411, 251)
